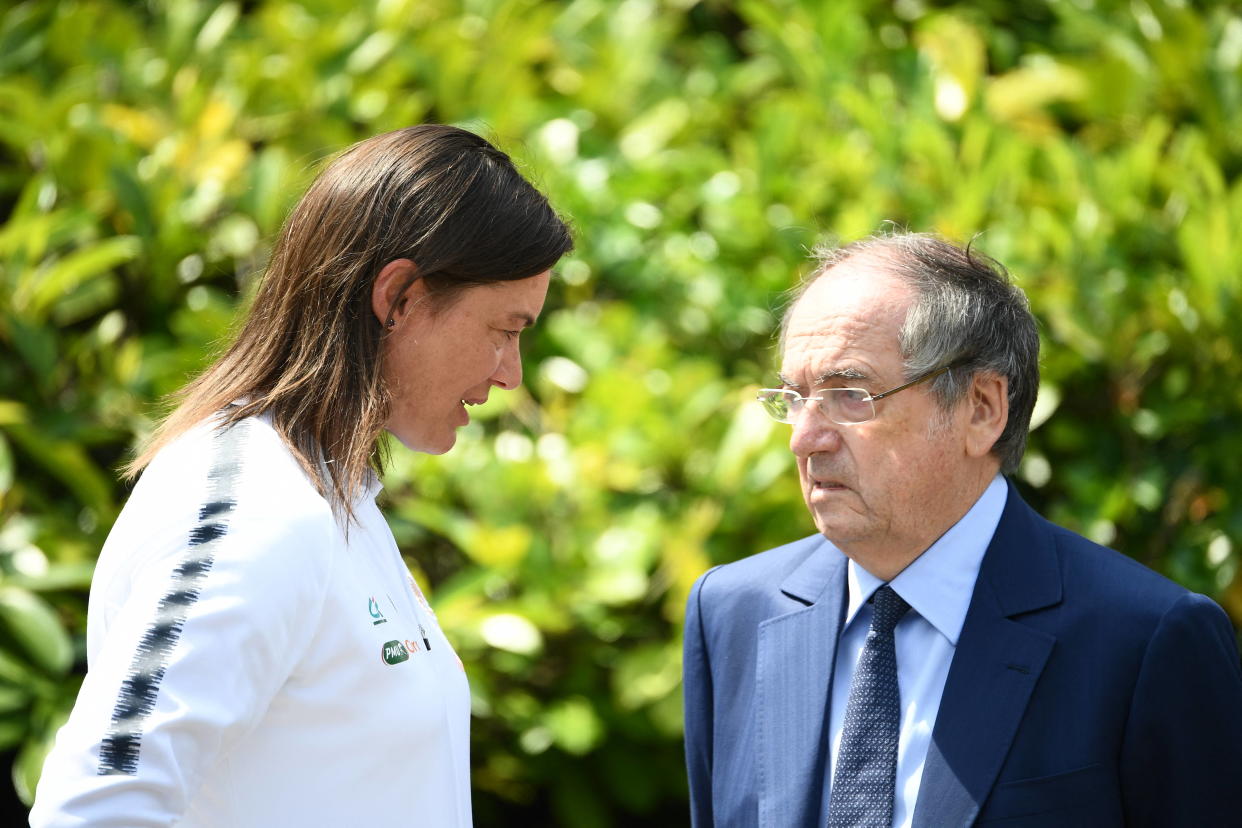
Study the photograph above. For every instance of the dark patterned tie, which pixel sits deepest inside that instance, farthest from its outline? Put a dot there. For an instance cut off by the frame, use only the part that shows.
(865, 781)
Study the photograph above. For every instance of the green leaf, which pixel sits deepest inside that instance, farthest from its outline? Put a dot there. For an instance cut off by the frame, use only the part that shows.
(134, 198)
(575, 726)
(646, 675)
(13, 728)
(67, 461)
(41, 288)
(13, 699)
(14, 670)
(35, 629)
(28, 766)
(6, 467)
(59, 576)
(36, 345)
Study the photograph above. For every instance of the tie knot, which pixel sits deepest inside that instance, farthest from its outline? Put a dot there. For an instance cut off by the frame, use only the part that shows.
(888, 608)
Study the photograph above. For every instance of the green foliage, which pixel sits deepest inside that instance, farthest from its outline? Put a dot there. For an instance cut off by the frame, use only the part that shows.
(148, 153)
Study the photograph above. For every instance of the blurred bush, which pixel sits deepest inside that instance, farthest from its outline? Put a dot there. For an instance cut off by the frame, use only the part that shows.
(148, 152)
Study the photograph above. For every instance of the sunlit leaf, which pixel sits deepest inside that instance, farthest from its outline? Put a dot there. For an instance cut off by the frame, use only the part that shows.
(34, 627)
(575, 726)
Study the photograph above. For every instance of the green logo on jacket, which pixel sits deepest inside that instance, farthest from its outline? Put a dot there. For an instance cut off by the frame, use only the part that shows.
(395, 653)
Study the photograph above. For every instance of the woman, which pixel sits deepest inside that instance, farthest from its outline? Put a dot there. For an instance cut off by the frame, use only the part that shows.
(259, 655)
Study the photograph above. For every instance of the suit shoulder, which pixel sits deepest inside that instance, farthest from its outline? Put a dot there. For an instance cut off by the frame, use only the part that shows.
(1113, 577)
(762, 571)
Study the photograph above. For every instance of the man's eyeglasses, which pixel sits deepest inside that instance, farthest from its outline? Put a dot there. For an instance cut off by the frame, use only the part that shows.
(843, 406)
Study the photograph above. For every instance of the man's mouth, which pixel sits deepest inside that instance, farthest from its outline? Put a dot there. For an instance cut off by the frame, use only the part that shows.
(818, 479)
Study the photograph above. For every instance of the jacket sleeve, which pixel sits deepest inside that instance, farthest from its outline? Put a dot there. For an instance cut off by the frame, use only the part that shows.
(697, 686)
(1182, 755)
(198, 642)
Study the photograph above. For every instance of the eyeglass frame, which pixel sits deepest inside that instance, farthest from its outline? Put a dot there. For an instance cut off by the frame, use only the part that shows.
(871, 398)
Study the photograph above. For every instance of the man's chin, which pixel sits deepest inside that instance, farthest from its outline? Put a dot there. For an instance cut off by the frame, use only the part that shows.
(837, 527)
(830, 505)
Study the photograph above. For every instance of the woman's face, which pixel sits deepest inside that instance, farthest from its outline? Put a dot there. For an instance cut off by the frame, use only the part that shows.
(435, 364)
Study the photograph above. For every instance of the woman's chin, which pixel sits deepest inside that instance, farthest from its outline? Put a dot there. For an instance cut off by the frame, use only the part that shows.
(427, 443)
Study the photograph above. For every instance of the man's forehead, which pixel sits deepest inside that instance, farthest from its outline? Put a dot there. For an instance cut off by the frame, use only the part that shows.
(861, 289)
(845, 315)
(813, 360)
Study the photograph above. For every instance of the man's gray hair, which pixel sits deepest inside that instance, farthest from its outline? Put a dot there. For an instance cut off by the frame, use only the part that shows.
(966, 313)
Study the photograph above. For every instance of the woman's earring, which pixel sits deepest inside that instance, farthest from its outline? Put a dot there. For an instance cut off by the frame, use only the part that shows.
(390, 324)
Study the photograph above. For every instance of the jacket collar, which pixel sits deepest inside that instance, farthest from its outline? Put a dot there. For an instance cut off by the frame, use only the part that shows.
(996, 666)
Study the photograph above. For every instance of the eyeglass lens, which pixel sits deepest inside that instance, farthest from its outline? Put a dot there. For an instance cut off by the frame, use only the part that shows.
(844, 406)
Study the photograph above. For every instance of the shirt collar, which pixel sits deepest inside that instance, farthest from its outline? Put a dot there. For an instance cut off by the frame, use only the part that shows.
(939, 583)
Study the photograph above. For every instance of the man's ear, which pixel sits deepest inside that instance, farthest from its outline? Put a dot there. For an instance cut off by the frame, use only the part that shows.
(396, 290)
(987, 412)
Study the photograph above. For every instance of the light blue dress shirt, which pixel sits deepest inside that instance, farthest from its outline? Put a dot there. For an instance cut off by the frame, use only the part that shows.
(937, 586)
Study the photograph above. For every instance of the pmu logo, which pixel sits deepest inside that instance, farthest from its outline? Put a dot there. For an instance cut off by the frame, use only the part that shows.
(395, 653)
(377, 617)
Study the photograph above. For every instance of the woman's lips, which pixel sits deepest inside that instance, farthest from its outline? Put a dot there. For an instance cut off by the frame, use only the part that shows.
(465, 401)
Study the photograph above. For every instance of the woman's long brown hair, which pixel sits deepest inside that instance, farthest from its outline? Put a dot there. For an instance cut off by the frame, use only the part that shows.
(310, 352)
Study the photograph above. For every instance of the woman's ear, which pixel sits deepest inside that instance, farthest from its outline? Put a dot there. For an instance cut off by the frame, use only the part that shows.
(397, 288)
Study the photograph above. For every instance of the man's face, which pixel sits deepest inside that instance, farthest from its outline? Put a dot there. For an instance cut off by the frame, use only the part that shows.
(890, 486)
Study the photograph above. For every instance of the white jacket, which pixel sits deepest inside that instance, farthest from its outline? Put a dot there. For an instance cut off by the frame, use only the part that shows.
(255, 662)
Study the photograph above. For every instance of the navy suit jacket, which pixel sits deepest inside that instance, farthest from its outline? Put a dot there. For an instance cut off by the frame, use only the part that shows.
(1086, 690)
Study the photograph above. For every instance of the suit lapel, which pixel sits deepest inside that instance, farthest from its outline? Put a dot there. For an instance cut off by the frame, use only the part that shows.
(996, 666)
(793, 678)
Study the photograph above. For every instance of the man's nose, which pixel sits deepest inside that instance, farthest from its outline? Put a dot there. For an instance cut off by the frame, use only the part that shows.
(813, 432)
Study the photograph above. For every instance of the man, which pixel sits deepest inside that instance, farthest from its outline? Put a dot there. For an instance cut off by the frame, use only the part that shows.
(939, 655)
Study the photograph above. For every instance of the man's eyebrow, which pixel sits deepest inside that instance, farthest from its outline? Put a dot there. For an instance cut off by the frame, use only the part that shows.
(844, 373)
(820, 379)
